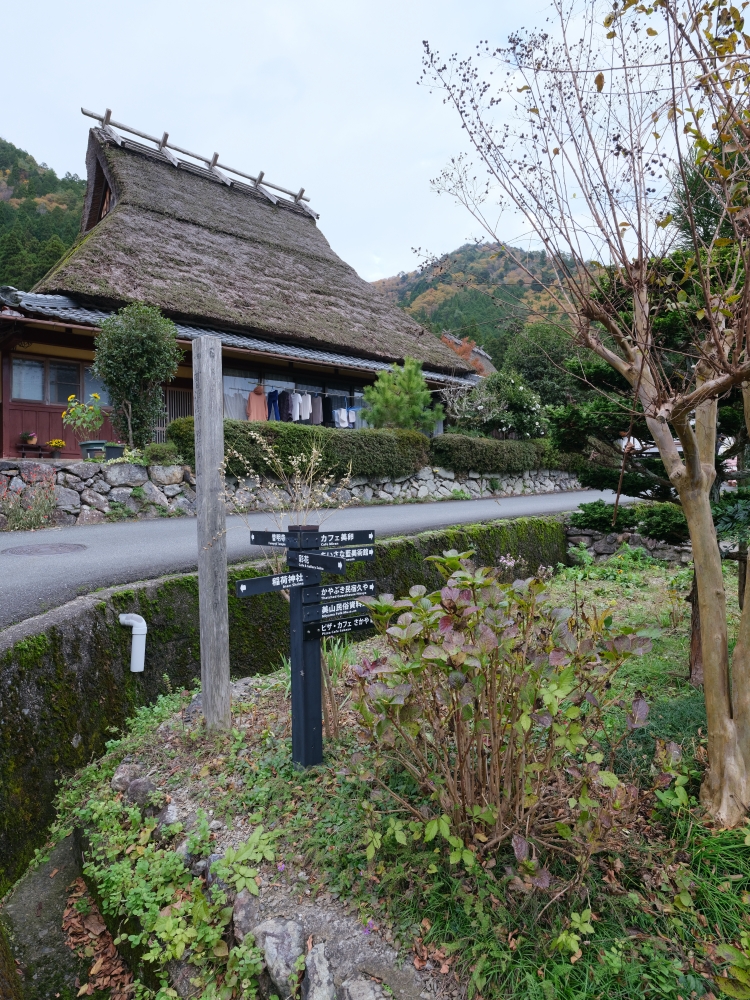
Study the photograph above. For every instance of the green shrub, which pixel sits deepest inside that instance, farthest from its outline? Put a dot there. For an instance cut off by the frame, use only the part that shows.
(465, 453)
(161, 454)
(370, 452)
(597, 516)
(663, 521)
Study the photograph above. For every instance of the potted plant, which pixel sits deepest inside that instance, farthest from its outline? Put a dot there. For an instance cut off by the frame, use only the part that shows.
(28, 437)
(85, 419)
(113, 449)
(55, 446)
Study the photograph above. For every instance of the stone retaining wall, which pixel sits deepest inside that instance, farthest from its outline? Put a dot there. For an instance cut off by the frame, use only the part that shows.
(429, 484)
(601, 545)
(86, 492)
(89, 492)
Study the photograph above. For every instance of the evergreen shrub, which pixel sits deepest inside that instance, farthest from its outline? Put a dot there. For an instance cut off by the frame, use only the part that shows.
(665, 522)
(386, 452)
(597, 516)
(464, 453)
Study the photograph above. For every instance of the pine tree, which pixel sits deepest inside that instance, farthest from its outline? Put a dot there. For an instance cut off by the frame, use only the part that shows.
(400, 398)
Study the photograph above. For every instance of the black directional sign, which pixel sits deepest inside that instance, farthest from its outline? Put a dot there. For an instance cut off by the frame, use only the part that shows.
(318, 612)
(338, 591)
(281, 581)
(314, 612)
(332, 539)
(316, 560)
(354, 554)
(279, 539)
(339, 626)
(311, 539)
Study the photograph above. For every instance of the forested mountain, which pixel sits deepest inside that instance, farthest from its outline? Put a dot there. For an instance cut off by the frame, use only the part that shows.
(478, 292)
(40, 215)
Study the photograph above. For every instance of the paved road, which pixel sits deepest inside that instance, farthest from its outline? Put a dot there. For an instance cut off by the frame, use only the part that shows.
(109, 554)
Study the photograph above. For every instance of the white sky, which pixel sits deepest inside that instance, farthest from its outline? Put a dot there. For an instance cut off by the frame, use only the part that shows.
(320, 94)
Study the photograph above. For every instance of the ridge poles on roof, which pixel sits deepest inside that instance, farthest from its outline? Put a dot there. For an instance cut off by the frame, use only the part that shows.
(108, 126)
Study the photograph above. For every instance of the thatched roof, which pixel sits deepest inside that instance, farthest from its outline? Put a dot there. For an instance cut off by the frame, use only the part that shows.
(207, 253)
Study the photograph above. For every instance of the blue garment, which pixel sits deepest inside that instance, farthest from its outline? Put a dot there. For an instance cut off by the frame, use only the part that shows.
(273, 405)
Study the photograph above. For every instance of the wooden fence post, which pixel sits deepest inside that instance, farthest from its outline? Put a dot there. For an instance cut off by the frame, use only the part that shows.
(212, 542)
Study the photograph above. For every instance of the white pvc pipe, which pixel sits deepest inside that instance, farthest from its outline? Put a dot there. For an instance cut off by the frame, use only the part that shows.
(138, 646)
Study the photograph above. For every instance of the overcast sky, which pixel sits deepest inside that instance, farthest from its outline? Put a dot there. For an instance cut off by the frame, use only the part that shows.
(320, 94)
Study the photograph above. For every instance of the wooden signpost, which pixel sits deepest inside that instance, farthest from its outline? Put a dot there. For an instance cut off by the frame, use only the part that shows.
(212, 541)
(315, 611)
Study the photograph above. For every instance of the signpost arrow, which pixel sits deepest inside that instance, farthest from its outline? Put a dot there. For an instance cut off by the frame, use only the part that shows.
(278, 539)
(317, 612)
(281, 581)
(339, 626)
(316, 560)
(338, 591)
(363, 552)
(330, 539)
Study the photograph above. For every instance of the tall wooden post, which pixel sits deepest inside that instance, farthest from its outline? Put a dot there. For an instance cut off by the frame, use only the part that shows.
(212, 542)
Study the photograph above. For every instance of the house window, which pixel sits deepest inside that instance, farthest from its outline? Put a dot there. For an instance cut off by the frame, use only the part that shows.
(91, 384)
(53, 381)
(28, 379)
(64, 381)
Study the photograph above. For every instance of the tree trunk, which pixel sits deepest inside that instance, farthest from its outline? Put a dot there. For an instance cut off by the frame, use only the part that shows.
(741, 573)
(725, 790)
(696, 653)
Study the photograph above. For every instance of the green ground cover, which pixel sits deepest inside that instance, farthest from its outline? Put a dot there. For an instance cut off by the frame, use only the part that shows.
(650, 915)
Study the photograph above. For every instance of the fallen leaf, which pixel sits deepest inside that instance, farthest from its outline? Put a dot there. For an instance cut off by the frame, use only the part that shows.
(94, 924)
(96, 966)
(54, 872)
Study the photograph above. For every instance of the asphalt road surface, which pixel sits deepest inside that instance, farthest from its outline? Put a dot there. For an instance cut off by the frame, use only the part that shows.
(34, 577)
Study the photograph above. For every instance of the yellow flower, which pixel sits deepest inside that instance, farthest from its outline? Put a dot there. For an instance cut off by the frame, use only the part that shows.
(95, 395)
(70, 397)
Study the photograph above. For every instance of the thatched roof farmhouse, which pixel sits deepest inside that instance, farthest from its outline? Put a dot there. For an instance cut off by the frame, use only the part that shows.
(216, 253)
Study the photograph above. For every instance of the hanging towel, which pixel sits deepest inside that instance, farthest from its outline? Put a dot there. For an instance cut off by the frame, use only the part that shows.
(352, 417)
(296, 405)
(340, 418)
(316, 410)
(257, 407)
(305, 406)
(273, 405)
(285, 405)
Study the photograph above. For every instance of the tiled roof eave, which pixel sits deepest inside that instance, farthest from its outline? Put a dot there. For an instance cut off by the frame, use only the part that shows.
(66, 311)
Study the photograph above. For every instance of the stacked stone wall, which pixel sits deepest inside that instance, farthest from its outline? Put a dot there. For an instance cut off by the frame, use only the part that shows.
(92, 492)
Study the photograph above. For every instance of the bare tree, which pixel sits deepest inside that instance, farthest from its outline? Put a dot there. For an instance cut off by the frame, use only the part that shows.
(587, 131)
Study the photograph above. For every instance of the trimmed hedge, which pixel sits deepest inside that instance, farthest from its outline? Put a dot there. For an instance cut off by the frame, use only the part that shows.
(461, 453)
(370, 452)
(391, 453)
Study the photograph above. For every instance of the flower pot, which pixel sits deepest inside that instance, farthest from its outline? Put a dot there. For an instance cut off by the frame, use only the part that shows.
(30, 439)
(114, 451)
(92, 449)
(55, 453)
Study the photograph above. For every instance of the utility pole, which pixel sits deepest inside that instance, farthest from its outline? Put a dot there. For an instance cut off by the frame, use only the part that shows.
(212, 541)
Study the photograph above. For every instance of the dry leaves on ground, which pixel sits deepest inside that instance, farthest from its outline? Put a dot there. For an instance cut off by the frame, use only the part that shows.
(425, 957)
(86, 934)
